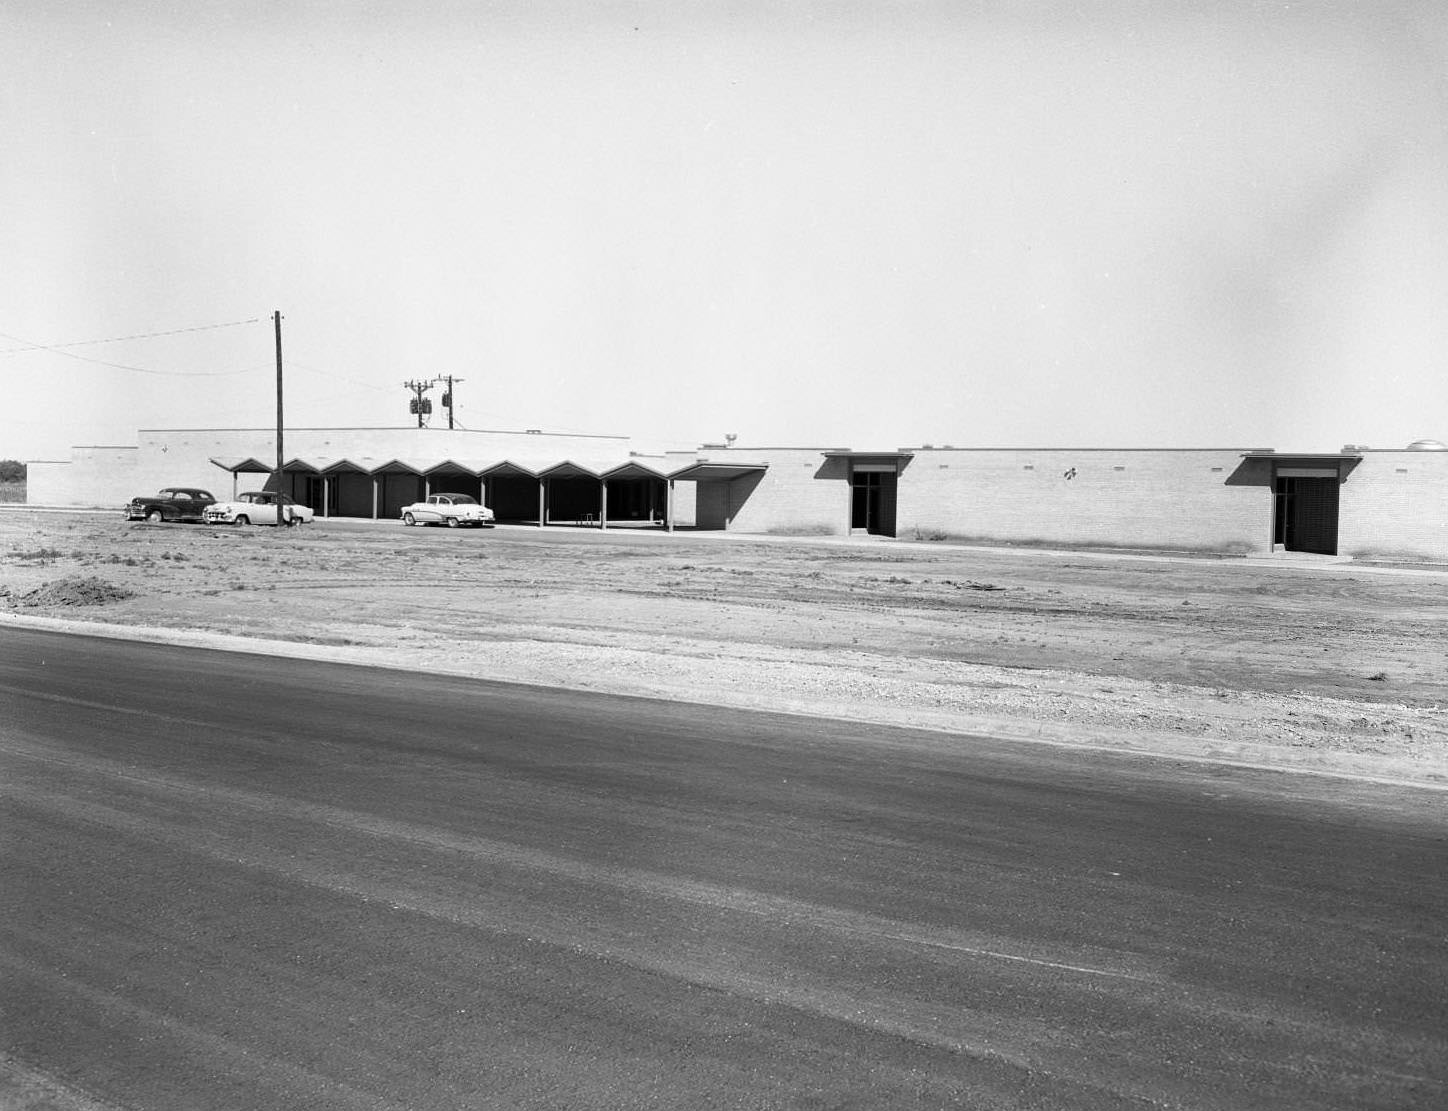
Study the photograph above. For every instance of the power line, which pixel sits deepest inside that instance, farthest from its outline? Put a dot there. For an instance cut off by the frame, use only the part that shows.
(125, 366)
(119, 339)
(339, 377)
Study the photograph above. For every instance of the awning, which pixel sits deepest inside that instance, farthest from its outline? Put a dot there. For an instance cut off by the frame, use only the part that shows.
(634, 469)
(363, 466)
(704, 471)
(249, 465)
(398, 465)
(508, 467)
(1298, 458)
(568, 469)
(881, 462)
(472, 467)
(314, 465)
(699, 471)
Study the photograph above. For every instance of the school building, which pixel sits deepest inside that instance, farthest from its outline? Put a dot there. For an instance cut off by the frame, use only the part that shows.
(1363, 502)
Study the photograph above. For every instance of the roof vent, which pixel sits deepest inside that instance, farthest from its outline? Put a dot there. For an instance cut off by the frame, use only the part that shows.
(1428, 445)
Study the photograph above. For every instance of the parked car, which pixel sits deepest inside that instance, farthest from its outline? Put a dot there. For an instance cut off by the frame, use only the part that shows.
(259, 507)
(453, 510)
(172, 503)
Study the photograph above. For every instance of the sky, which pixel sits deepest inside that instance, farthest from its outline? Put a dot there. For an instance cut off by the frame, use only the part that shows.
(1127, 223)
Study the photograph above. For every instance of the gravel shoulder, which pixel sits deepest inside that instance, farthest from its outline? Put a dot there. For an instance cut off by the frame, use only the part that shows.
(1333, 668)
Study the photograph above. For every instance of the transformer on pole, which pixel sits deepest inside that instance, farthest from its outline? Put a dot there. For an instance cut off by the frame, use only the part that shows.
(420, 405)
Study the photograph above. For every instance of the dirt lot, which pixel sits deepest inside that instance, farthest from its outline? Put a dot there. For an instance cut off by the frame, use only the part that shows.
(1333, 667)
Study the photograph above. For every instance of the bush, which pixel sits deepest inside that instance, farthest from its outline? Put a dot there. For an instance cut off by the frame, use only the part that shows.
(12, 470)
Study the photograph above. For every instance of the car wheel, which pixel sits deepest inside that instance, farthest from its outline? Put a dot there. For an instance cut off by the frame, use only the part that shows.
(154, 517)
(241, 519)
(452, 522)
(409, 519)
(293, 522)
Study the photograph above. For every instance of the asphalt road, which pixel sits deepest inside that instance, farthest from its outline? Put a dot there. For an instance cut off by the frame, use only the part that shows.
(231, 881)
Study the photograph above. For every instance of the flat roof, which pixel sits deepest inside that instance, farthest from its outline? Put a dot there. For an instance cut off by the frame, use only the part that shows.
(1300, 456)
(1082, 450)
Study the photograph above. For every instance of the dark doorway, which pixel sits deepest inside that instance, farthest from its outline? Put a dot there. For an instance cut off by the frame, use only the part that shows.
(395, 490)
(513, 497)
(574, 500)
(312, 493)
(1305, 512)
(636, 499)
(872, 501)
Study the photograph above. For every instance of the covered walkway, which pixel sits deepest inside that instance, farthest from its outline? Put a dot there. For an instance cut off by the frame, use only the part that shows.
(566, 492)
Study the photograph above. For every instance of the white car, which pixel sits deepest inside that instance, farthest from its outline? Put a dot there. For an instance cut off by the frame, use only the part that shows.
(258, 507)
(453, 510)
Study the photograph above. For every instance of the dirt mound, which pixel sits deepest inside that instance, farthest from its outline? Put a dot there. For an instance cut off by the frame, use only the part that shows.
(74, 591)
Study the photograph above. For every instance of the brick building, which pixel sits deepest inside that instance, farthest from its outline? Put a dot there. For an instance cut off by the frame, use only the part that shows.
(1359, 502)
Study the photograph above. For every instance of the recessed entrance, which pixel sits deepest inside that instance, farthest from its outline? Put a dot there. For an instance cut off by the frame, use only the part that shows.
(872, 499)
(1305, 509)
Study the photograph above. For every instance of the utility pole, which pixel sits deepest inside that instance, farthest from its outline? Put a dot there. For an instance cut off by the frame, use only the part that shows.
(447, 397)
(277, 322)
(419, 404)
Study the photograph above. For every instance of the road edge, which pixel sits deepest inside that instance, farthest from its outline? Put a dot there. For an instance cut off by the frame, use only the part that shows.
(362, 656)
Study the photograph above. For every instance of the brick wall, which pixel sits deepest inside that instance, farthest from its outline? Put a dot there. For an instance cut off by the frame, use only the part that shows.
(1195, 499)
(1392, 503)
(801, 492)
(1395, 503)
